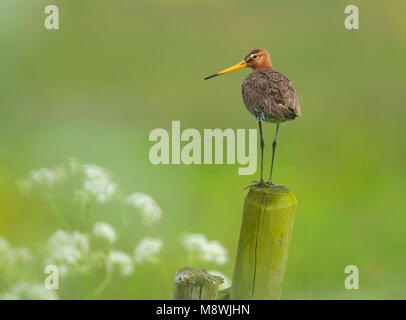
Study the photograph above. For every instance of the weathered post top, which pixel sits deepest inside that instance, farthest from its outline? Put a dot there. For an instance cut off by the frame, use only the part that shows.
(264, 240)
(194, 284)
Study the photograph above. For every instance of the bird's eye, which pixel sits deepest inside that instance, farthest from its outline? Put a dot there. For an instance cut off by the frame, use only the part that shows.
(255, 56)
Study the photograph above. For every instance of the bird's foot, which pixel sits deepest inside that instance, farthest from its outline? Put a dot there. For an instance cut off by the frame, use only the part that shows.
(261, 182)
(270, 183)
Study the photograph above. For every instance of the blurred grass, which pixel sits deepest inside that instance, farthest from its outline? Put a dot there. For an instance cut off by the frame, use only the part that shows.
(117, 70)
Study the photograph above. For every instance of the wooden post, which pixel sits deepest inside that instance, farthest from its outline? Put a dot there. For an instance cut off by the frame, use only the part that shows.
(193, 284)
(264, 240)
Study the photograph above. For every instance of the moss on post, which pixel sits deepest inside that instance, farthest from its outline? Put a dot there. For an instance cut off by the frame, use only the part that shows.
(193, 284)
(264, 241)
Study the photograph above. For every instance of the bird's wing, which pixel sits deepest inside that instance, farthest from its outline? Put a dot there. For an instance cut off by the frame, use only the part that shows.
(282, 98)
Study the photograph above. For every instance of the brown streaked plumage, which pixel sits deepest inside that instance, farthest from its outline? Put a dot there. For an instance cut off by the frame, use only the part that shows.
(268, 95)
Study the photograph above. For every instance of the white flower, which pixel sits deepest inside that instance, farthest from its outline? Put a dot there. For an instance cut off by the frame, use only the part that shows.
(105, 231)
(43, 176)
(209, 251)
(194, 242)
(148, 250)
(226, 283)
(67, 248)
(14, 255)
(120, 260)
(215, 252)
(29, 291)
(150, 210)
(98, 183)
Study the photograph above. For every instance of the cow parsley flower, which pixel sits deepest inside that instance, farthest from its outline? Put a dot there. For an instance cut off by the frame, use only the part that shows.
(105, 231)
(67, 248)
(43, 176)
(48, 177)
(11, 255)
(150, 210)
(29, 291)
(209, 251)
(98, 183)
(121, 261)
(215, 252)
(194, 242)
(148, 250)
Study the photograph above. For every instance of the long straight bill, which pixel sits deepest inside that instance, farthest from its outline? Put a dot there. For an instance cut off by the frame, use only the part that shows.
(240, 65)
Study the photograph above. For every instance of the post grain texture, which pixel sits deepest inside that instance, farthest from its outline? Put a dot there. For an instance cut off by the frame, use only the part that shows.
(265, 235)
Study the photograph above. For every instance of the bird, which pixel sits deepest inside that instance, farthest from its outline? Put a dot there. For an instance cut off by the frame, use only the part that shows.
(268, 95)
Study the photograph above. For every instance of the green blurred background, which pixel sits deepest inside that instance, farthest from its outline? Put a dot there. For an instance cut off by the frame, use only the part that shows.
(116, 70)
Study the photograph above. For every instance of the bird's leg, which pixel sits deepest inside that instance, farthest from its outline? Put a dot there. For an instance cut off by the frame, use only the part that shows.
(261, 180)
(273, 153)
(262, 152)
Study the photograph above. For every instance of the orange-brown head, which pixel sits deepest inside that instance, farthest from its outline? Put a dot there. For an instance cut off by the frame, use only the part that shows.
(256, 59)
